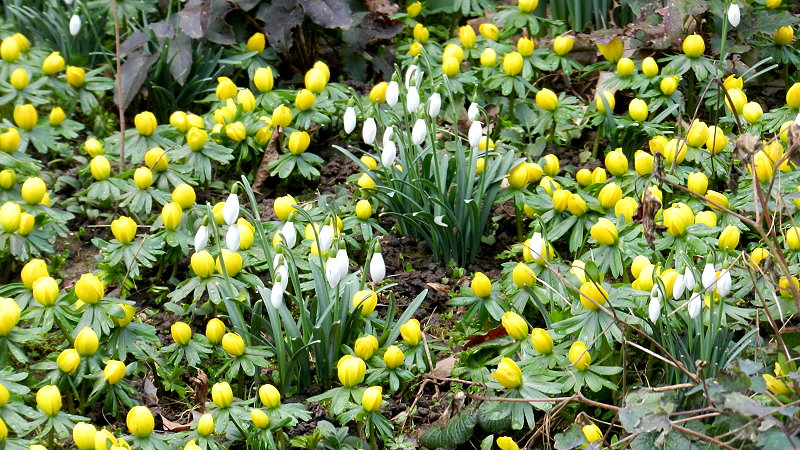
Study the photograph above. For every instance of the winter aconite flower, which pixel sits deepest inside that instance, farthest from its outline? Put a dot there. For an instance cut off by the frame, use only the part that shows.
(508, 374)
(372, 398)
(83, 436)
(222, 394)
(140, 421)
(393, 357)
(515, 325)
(87, 342)
(578, 356)
(269, 396)
(114, 371)
(351, 370)
(541, 340)
(693, 46)
(48, 399)
(367, 300)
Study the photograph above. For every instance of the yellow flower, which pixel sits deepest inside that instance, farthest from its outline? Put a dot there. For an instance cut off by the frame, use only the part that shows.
(145, 123)
(775, 385)
(716, 140)
(140, 421)
(578, 356)
(411, 333)
(604, 231)
(363, 209)
(236, 131)
(366, 299)
(181, 333)
(19, 79)
(233, 262)
(488, 57)
(693, 46)
(75, 76)
(315, 80)
(365, 181)
(259, 418)
(281, 116)
(697, 182)
(451, 66)
(675, 150)
(284, 207)
(10, 217)
(525, 46)
(763, 166)
(508, 374)
(83, 436)
(215, 330)
(298, 142)
(609, 97)
(625, 67)
(114, 371)
(793, 238)
(205, 424)
(577, 205)
(729, 238)
(518, 176)
(717, 198)
(225, 88)
(100, 168)
(506, 443)
(68, 360)
(649, 67)
(563, 45)
(57, 116)
(414, 9)
(7, 178)
(48, 399)
(698, 133)
(547, 100)
(372, 398)
(489, 31)
(350, 370)
(637, 109)
(269, 396)
(25, 116)
(592, 433)
(752, 112)
(233, 344)
(9, 49)
(522, 275)
(184, 196)
(256, 43)
(202, 264)
(594, 292)
(263, 79)
(481, 285)
(393, 357)
(130, 312)
(26, 222)
(246, 99)
(707, 218)
(643, 162)
(304, 100)
(616, 162)
(86, 343)
(9, 315)
(415, 49)
(784, 35)
(541, 340)
(677, 217)
(53, 63)
(535, 171)
(737, 100)
(466, 35)
(561, 199)
(378, 92)
(772, 4)
(668, 85)
(421, 33)
(515, 325)
(32, 271)
(612, 51)
(365, 346)
(512, 63)
(526, 6)
(33, 190)
(45, 291)
(171, 216)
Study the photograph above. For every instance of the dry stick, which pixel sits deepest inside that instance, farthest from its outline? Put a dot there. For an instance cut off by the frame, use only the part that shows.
(120, 107)
(702, 436)
(577, 397)
(736, 430)
(773, 249)
(700, 417)
(770, 319)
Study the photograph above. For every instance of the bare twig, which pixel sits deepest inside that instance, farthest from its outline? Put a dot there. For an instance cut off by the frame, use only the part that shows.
(120, 106)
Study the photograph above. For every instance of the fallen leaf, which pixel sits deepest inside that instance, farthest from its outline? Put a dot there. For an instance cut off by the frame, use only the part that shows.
(174, 426)
(439, 287)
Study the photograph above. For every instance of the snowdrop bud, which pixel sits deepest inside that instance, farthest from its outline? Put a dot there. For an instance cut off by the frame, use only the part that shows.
(536, 244)
(724, 283)
(332, 271)
(419, 131)
(694, 305)
(388, 154)
(654, 310)
(412, 99)
(655, 293)
(230, 211)
(387, 134)
(201, 238)
(410, 72)
(473, 113)
(392, 93)
(349, 120)
(709, 276)
(679, 286)
(278, 260)
(289, 233)
(475, 133)
(276, 296)
(369, 131)
(435, 104)
(734, 15)
(232, 238)
(282, 275)
(343, 262)
(688, 279)
(75, 25)
(377, 268)
(325, 238)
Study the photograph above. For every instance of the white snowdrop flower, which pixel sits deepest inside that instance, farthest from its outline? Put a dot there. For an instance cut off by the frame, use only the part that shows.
(387, 134)
(392, 93)
(419, 131)
(282, 275)
(232, 238)
(276, 296)
(473, 113)
(325, 238)
(369, 131)
(230, 210)
(377, 267)
(332, 272)
(709, 276)
(679, 287)
(349, 120)
(688, 279)
(475, 133)
(435, 104)
(412, 99)
(724, 283)
(388, 154)
(410, 72)
(536, 245)
(75, 25)
(734, 14)
(695, 304)
(278, 260)
(654, 309)
(289, 233)
(201, 238)
(343, 263)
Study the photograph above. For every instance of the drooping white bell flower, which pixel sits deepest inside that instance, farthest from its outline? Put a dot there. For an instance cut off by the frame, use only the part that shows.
(388, 154)
(75, 25)
(734, 14)
(709, 276)
(232, 238)
(332, 271)
(377, 267)
(278, 260)
(695, 304)
(724, 283)
(688, 279)
(410, 72)
(349, 120)
(282, 275)
(325, 238)
(654, 309)
(419, 131)
(475, 133)
(201, 238)
(536, 245)
(387, 134)
(289, 233)
(473, 113)
(369, 130)
(435, 104)
(412, 99)
(679, 287)
(276, 296)
(230, 209)
(392, 93)
(343, 263)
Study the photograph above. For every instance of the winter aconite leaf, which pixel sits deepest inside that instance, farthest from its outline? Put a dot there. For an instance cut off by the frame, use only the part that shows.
(456, 431)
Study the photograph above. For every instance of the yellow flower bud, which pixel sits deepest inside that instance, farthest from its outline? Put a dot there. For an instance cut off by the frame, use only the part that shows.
(83, 436)
(53, 63)
(784, 35)
(625, 207)
(10, 217)
(236, 131)
(547, 100)
(541, 340)
(372, 398)
(793, 238)
(124, 229)
(693, 46)
(284, 207)
(114, 371)
(365, 347)
(205, 424)
(561, 199)
(363, 209)
(668, 85)
(25, 116)
(233, 344)
(551, 165)
(196, 138)
(578, 356)
(698, 133)
(488, 57)
(48, 399)
(772, 4)
(298, 142)
(366, 299)
(421, 33)
(315, 80)
(466, 35)
(637, 109)
(716, 140)
(415, 49)
(181, 333)
(100, 168)
(643, 162)
(33, 190)
(515, 325)
(612, 51)
(506, 443)
(68, 360)
(489, 31)
(737, 100)
(675, 151)
(677, 217)
(717, 198)
(145, 123)
(649, 67)
(19, 79)
(481, 285)
(256, 43)
(697, 182)
(26, 222)
(604, 231)
(143, 178)
(616, 162)
(233, 262)
(140, 421)
(57, 116)
(525, 46)
(75, 76)
(270, 396)
(592, 433)
(625, 67)
(451, 66)
(259, 418)
(225, 88)
(414, 9)
(729, 238)
(45, 291)
(609, 96)
(304, 100)
(775, 385)
(9, 315)
(263, 79)
(609, 195)
(130, 313)
(563, 44)
(7, 178)
(215, 330)
(9, 50)
(508, 374)
(707, 218)
(411, 333)
(184, 196)
(351, 370)
(522, 275)
(512, 63)
(365, 181)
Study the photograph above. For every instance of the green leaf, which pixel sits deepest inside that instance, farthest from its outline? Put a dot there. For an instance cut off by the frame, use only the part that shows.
(455, 432)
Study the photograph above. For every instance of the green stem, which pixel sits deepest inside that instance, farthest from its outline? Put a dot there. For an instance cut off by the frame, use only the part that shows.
(373, 440)
(519, 213)
(552, 132)
(60, 322)
(51, 438)
(239, 426)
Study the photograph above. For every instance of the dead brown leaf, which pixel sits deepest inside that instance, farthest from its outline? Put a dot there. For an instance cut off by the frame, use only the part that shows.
(174, 426)
(439, 287)
(645, 214)
(270, 155)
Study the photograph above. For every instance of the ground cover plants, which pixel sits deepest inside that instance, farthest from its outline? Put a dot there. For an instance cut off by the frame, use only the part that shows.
(468, 224)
